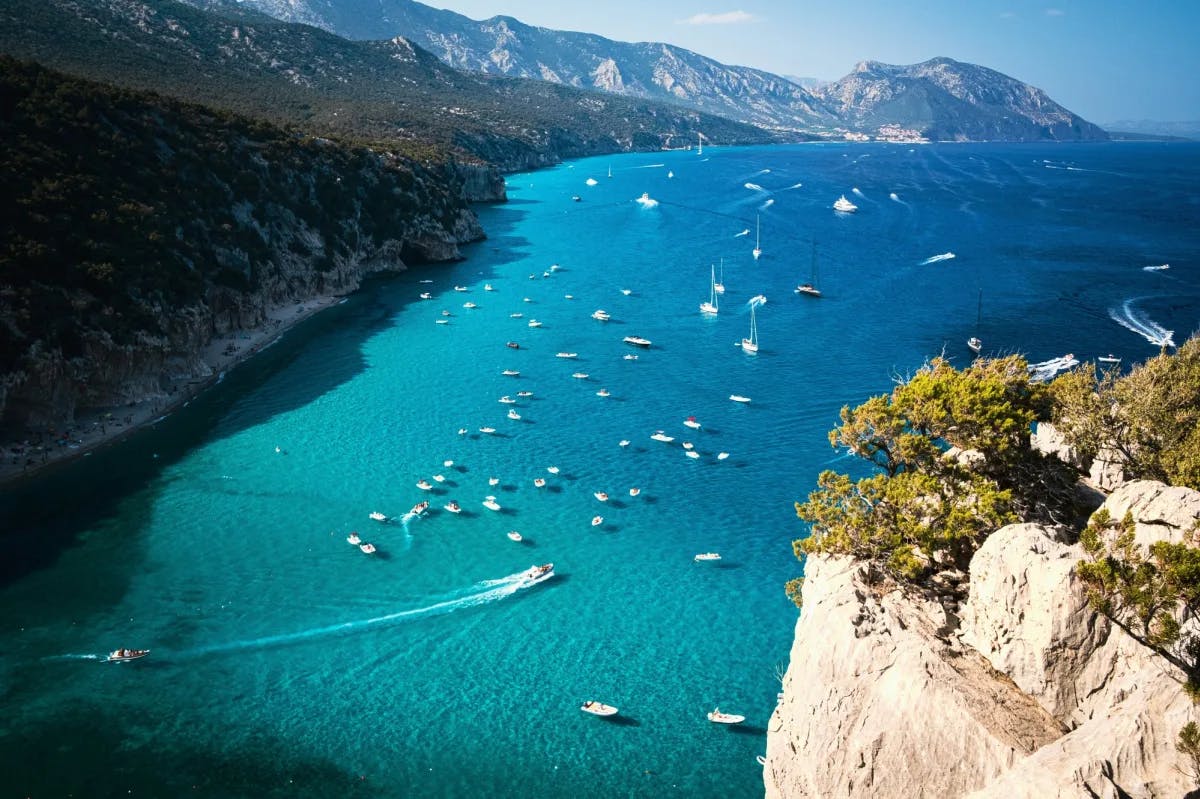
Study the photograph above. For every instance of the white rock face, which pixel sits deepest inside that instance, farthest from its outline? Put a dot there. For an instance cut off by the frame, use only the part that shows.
(876, 703)
(1160, 512)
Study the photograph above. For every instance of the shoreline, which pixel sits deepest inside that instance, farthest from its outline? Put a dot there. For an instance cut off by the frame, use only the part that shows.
(41, 450)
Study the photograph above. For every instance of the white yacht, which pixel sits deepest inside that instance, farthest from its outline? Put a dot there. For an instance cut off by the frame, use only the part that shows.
(844, 205)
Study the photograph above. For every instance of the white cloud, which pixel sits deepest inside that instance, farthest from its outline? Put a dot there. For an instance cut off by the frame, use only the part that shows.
(724, 18)
(1055, 12)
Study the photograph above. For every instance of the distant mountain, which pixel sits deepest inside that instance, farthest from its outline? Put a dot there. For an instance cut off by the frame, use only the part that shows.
(808, 83)
(506, 46)
(1155, 129)
(944, 99)
(388, 92)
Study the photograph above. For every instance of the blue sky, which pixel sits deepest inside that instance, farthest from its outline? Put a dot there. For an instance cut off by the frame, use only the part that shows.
(1103, 59)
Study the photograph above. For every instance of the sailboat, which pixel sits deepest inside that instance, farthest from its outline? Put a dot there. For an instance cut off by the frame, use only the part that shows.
(757, 249)
(810, 288)
(710, 308)
(750, 345)
(699, 143)
(719, 286)
(973, 343)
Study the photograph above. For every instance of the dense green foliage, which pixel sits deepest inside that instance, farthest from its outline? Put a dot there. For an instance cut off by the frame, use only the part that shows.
(926, 506)
(1153, 593)
(120, 209)
(1150, 418)
(388, 93)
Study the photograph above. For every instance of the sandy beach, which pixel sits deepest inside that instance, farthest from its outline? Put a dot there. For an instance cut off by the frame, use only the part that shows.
(95, 427)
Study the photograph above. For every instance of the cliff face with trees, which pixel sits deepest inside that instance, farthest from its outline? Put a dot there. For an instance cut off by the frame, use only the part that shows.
(133, 229)
(977, 620)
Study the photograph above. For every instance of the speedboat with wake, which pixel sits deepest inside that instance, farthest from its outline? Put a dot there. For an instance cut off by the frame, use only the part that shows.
(125, 655)
(598, 708)
(419, 508)
(538, 572)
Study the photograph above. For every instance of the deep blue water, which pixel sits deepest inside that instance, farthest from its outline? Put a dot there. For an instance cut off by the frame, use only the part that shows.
(286, 662)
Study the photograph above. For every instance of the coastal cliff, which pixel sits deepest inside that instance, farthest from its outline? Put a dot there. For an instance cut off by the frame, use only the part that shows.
(1021, 690)
(197, 224)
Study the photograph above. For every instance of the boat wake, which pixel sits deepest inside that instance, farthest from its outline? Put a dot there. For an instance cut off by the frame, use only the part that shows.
(745, 232)
(859, 193)
(933, 259)
(1041, 372)
(757, 301)
(1130, 318)
(896, 198)
(763, 172)
(794, 186)
(753, 187)
(1159, 268)
(73, 656)
(767, 204)
(650, 166)
(646, 201)
(481, 593)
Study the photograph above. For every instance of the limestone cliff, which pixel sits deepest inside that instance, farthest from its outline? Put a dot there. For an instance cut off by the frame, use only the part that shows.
(1022, 691)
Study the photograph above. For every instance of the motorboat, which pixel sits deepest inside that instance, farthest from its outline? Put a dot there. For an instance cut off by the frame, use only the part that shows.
(511, 373)
(566, 355)
(739, 398)
(125, 655)
(534, 323)
(507, 400)
(538, 572)
(630, 357)
(637, 341)
(512, 414)
(441, 321)
(517, 315)
(353, 539)
(424, 281)
(526, 299)
(601, 495)
(461, 288)
(722, 456)
(425, 295)
(524, 393)
(1110, 358)
(513, 535)
(688, 445)
(552, 469)
(487, 430)
(512, 345)
(974, 344)
(626, 292)
(379, 517)
(691, 422)
(447, 463)
(419, 508)
(424, 485)
(663, 437)
(539, 482)
(493, 481)
(691, 453)
(491, 504)
(568, 296)
(624, 442)
(554, 267)
(597, 521)
(439, 478)
(600, 315)
(446, 313)
(598, 708)
(452, 507)
(488, 287)
(580, 375)
(844, 205)
(470, 305)
(462, 431)
(717, 717)
(633, 492)
(603, 393)
(707, 556)
(368, 549)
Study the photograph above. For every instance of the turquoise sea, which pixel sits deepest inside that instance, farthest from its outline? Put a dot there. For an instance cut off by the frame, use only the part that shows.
(285, 662)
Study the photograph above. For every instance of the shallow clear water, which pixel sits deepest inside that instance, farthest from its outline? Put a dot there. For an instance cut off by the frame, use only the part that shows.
(286, 662)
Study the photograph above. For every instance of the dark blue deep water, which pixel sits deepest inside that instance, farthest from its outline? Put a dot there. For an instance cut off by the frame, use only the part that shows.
(287, 663)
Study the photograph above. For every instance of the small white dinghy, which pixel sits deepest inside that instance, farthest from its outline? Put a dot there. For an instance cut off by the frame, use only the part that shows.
(739, 398)
(707, 556)
(598, 708)
(597, 521)
(717, 717)
(377, 516)
(491, 504)
(513, 535)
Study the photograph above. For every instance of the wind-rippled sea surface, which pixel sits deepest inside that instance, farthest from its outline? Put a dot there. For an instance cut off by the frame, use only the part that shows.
(285, 662)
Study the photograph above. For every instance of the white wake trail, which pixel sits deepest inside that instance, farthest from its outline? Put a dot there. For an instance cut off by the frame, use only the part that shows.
(933, 259)
(1130, 318)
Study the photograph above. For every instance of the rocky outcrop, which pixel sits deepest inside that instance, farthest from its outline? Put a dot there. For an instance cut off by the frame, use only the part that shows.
(1031, 694)
(481, 183)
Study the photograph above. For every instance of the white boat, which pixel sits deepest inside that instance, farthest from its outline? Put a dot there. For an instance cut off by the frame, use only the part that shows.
(566, 355)
(630, 357)
(554, 267)
(699, 143)
(597, 521)
(377, 516)
(538, 572)
(424, 485)
(424, 281)
(517, 315)
(973, 343)
(1110, 358)
(441, 321)
(507, 400)
(739, 398)
(524, 393)
(470, 305)
(757, 251)
(624, 442)
(126, 655)
(719, 286)
(491, 504)
(369, 549)
(488, 287)
(844, 206)
(568, 296)
(425, 295)
(462, 431)
(598, 708)
(512, 414)
(534, 323)
(633, 492)
(663, 437)
(710, 308)
(600, 315)
(670, 174)
(526, 299)
(487, 430)
(691, 422)
(513, 535)
(493, 481)
(717, 717)
(601, 495)
(626, 292)
(539, 482)
(810, 288)
(446, 313)
(691, 453)
(646, 201)
(510, 373)
(750, 344)
(353, 539)
(722, 456)
(707, 556)
(552, 469)
(418, 509)
(687, 445)
(603, 393)
(610, 170)
(447, 463)
(439, 478)
(460, 288)
(580, 375)
(452, 507)
(637, 341)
